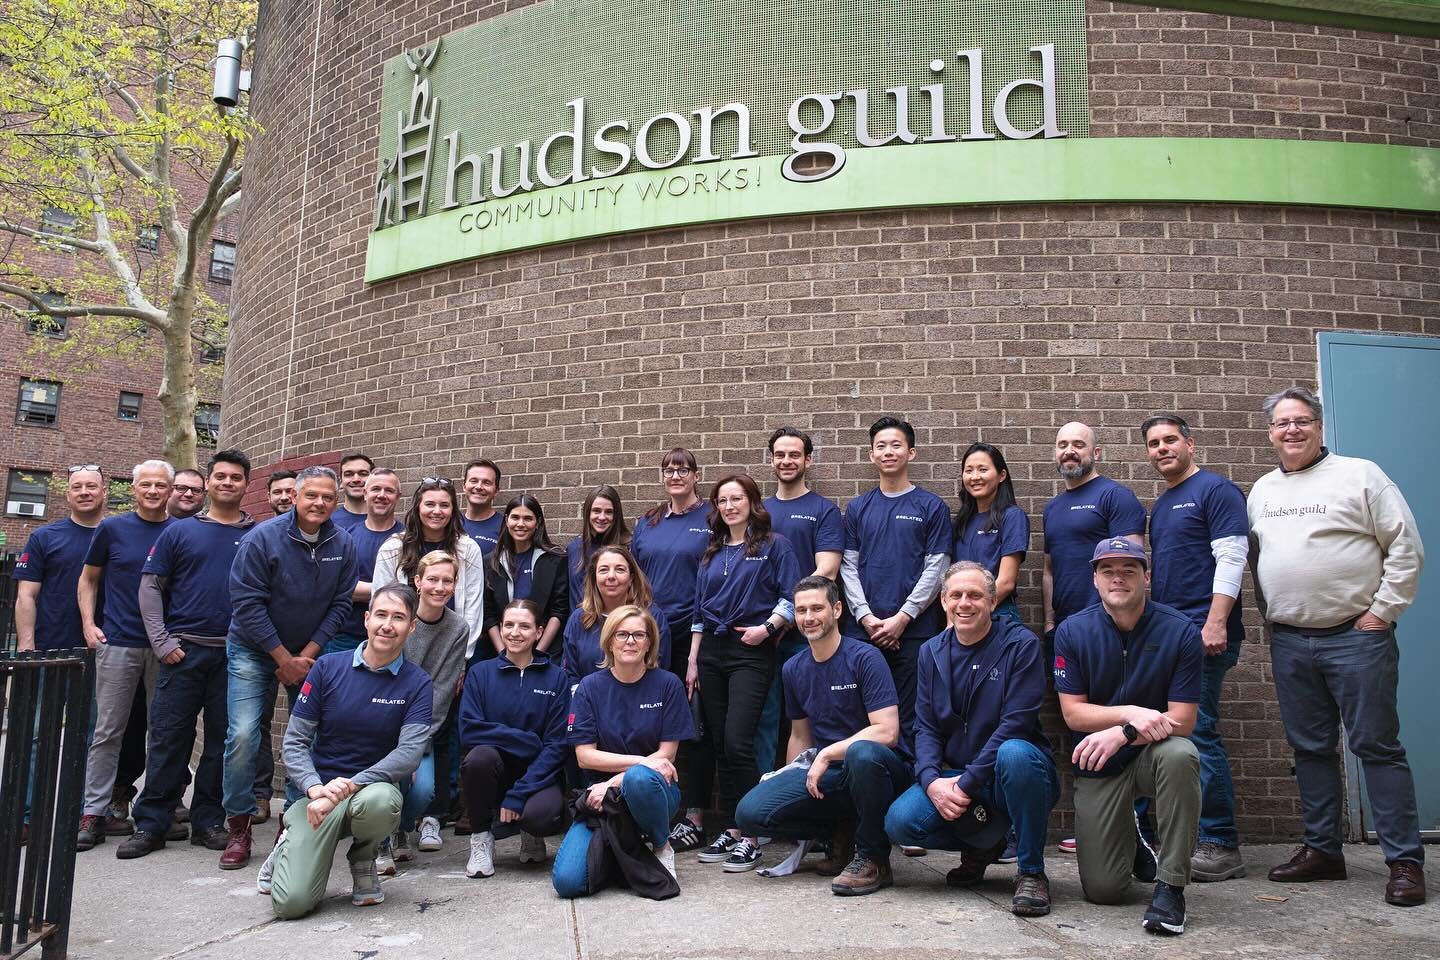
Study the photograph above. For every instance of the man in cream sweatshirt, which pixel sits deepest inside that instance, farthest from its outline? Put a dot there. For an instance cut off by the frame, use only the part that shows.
(1337, 560)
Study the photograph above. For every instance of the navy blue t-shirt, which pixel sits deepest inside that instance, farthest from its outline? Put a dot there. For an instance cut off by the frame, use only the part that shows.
(1076, 520)
(346, 520)
(812, 524)
(1203, 507)
(894, 535)
(195, 555)
(989, 547)
(575, 569)
(367, 546)
(524, 578)
(1156, 663)
(838, 696)
(485, 533)
(581, 648)
(358, 711)
(669, 553)
(120, 547)
(53, 557)
(629, 718)
(734, 590)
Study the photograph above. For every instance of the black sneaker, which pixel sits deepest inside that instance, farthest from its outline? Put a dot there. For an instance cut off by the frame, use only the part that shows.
(138, 844)
(720, 848)
(686, 836)
(1166, 913)
(1145, 864)
(211, 838)
(744, 856)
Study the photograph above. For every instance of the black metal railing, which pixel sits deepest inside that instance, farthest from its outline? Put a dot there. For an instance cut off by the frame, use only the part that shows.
(8, 588)
(45, 702)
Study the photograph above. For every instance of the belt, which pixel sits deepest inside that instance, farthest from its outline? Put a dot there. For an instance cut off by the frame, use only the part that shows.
(1319, 631)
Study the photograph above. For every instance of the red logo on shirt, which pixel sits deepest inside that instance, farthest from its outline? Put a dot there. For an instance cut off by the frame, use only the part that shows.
(305, 689)
(24, 557)
(1059, 662)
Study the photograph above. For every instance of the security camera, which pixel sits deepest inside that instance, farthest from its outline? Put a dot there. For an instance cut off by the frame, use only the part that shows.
(230, 80)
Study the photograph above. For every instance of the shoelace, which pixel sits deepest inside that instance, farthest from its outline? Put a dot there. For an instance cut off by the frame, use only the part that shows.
(744, 850)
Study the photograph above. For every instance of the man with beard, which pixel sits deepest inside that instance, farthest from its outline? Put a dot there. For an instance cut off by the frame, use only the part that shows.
(187, 494)
(280, 489)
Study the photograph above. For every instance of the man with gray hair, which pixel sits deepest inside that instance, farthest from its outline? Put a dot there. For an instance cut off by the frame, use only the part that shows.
(1337, 560)
(290, 588)
(123, 658)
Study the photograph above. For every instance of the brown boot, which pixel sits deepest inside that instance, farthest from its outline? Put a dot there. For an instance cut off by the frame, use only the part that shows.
(1407, 884)
(862, 876)
(237, 846)
(842, 851)
(1309, 864)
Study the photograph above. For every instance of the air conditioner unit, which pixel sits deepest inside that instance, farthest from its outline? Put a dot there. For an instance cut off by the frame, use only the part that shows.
(23, 509)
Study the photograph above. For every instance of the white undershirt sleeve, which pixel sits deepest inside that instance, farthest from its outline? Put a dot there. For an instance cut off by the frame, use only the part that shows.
(1230, 555)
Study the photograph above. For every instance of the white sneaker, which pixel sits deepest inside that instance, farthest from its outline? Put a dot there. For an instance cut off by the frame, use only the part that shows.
(429, 835)
(482, 855)
(384, 860)
(266, 875)
(666, 856)
(532, 848)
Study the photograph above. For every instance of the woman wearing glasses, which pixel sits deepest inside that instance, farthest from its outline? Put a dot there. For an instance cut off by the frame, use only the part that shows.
(525, 565)
(611, 580)
(512, 732)
(626, 722)
(743, 602)
(433, 523)
(667, 544)
(602, 520)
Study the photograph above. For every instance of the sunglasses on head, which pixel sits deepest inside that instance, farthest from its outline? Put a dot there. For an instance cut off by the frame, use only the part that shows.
(85, 467)
(443, 483)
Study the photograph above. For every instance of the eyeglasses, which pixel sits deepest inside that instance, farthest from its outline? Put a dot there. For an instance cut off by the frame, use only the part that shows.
(85, 468)
(180, 488)
(675, 471)
(442, 482)
(1302, 423)
(625, 636)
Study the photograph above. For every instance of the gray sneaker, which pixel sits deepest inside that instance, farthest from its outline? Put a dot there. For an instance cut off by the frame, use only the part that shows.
(385, 858)
(1211, 863)
(365, 890)
(265, 877)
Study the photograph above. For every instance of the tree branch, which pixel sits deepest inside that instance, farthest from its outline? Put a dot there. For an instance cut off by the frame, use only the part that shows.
(90, 246)
(119, 266)
(223, 184)
(73, 310)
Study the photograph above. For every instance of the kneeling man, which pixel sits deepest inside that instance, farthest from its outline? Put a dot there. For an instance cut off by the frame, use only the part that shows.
(841, 700)
(1128, 674)
(356, 732)
(978, 738)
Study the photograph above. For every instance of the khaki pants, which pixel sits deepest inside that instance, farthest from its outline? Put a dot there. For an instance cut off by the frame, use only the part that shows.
(1169, 771)
(302, 866)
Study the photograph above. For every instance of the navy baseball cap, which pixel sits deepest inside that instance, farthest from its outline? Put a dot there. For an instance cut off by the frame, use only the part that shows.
(1119, 548)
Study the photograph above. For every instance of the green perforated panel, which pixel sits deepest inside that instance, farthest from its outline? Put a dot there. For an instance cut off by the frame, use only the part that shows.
(508, 79)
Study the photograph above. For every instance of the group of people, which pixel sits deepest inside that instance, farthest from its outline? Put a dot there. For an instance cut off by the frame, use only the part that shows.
(457, 665)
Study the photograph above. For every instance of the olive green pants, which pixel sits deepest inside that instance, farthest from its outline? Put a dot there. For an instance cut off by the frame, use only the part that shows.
(302, 865)
(1169, 771)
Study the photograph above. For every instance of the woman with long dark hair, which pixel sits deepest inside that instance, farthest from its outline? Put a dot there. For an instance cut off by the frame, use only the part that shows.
(526, 565)
(668, 543)
(602, 523)
(743, 602)
(612, 579)
(989, 528)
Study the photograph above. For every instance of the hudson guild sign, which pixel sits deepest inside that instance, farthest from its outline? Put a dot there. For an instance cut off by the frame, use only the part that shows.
(903, 114)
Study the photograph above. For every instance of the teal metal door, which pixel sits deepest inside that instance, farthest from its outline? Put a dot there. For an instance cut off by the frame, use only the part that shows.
(1381, 394)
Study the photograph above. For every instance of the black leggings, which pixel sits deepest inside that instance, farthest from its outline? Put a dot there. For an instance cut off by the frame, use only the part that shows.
(734, 681)
(694, 761)
(487, 775)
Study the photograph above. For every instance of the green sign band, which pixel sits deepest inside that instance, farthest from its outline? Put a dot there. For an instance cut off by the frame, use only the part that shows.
(1289, 172)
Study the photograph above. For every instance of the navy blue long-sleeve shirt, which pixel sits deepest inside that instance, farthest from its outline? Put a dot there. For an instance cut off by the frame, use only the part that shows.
(521, 713)
(286, 591)
(970, 700)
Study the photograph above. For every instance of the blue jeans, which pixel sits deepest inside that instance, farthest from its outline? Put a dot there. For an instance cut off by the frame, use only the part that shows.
(767, 735)
(1007, 611)
(251, 682)
(419, 792)
(1349, 678)
(861, 788)
(1024, 788)
(652, 803)
(342, 643)
(182, 692)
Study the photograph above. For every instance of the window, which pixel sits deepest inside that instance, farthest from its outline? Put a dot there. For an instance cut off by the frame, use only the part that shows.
(129, 408)
(55, 220)
(39, 321)
(222, 261)
(39, 403)
(207, 424)
(119, 497)
(148, 238)
(25, 493)
(209, 354)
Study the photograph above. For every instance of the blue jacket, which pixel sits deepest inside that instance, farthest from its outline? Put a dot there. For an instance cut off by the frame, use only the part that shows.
(521, 713)
(960, 723)
(284, 591)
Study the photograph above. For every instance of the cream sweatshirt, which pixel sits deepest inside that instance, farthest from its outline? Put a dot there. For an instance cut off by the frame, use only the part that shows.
(1331, 542)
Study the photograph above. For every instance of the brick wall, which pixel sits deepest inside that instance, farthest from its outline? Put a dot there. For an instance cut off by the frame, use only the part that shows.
(579, 364)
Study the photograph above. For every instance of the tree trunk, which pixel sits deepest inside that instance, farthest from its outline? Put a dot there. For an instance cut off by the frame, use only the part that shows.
(177, 395)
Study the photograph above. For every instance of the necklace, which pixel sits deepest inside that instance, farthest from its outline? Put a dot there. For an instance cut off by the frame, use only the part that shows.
(731, 551)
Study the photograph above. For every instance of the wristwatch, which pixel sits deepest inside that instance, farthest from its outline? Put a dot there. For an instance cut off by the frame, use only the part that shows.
(1131, 734)
(770, 629)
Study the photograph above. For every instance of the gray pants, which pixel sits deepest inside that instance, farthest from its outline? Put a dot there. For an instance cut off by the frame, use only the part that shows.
(302, 864)
(1347, 677)
(1168, 771)
(119, 671)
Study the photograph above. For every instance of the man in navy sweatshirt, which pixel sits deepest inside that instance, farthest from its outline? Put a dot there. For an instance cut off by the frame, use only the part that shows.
(978, 743)
(290, 586)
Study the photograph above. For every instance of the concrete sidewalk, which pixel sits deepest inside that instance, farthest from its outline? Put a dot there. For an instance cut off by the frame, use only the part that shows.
(177, 904)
